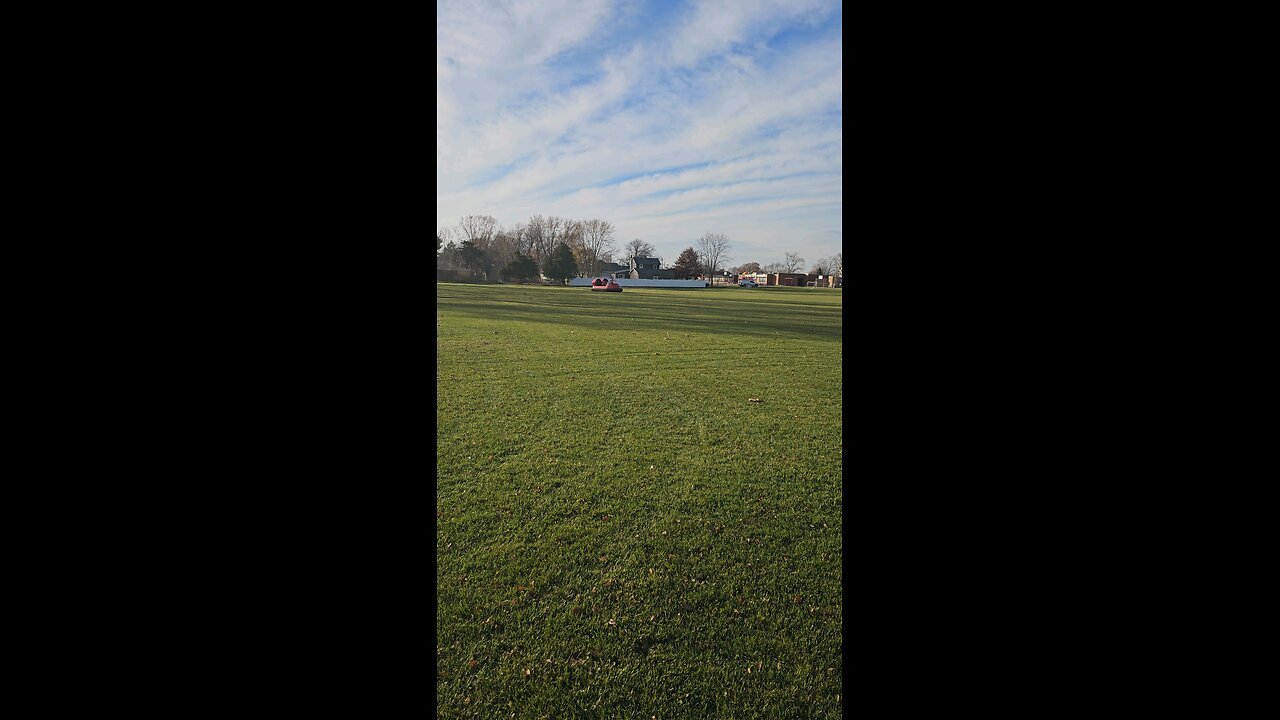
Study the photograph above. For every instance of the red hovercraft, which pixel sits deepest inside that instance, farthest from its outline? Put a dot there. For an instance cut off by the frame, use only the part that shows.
(602, 285)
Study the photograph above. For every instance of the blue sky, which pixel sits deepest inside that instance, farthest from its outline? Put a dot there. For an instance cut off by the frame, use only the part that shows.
(668, 119)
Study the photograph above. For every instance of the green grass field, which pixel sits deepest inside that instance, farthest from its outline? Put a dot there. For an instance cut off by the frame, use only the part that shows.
(620, 533)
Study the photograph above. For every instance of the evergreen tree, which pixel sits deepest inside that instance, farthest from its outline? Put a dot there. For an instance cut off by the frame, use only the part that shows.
(687, 265)
(561, 265)
(522, 268)
(473, 258)
(448, 258)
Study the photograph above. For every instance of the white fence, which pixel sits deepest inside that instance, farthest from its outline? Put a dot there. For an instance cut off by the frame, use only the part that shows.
(628, 282)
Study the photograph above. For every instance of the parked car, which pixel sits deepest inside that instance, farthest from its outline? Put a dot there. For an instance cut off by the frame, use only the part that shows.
(747, 283)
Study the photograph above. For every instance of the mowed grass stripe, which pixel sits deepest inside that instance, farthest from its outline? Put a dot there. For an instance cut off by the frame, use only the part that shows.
(619, 532)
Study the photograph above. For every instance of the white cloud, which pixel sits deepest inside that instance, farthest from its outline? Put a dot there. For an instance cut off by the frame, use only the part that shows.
(541, 107)
(716, 25)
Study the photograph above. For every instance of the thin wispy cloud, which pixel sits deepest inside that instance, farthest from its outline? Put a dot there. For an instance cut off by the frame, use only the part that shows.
(669, 119)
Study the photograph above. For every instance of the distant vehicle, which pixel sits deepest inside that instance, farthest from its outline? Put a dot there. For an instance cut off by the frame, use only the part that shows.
(603, 285)
(747, 283)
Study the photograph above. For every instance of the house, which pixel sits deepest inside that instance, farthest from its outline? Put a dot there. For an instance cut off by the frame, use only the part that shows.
(722, 277)
(759, 277)
(647, 268)
(613, 269)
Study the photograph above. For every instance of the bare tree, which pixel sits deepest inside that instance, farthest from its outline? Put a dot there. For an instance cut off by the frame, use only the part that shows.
(553, 228)
(446, 234)
(572, 236)
(519, 233)
(637, 248)
(479, 229)
(837, 264)
(713, 247)
(536, 238)
(792, 263)
(820, 266)
(596, 244)
(504, 248)
(552, 236)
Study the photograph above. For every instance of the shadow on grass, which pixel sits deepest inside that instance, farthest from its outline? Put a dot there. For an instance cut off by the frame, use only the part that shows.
(708, 313)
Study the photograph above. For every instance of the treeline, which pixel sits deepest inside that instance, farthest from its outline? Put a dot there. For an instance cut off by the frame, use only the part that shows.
(695, 263)
(793, 263)
(560, 248)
